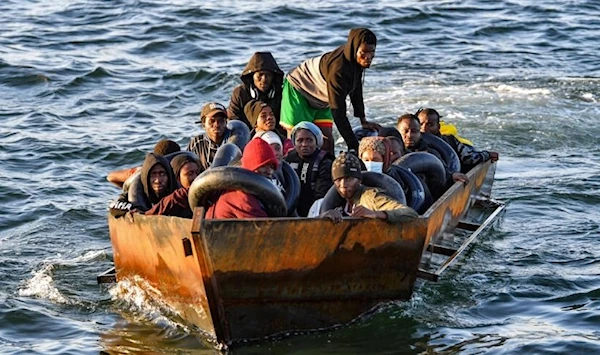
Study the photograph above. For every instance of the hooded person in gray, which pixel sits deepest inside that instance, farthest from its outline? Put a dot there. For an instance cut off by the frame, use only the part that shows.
(261, 80)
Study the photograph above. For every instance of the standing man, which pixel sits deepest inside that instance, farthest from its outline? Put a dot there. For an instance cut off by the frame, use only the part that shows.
(316, 90)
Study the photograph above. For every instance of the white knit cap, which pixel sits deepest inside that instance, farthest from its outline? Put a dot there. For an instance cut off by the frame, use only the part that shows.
(269, 137)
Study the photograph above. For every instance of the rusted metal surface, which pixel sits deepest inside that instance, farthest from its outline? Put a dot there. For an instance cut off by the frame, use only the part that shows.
(151, 247)
(274, 275)
(246, 279)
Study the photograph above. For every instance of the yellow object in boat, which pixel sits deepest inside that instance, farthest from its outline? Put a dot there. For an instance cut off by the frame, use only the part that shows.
(448, 129)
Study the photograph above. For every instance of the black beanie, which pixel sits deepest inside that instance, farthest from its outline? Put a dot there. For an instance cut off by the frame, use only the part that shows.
(179, 161)
(346, 165)
(252, 110)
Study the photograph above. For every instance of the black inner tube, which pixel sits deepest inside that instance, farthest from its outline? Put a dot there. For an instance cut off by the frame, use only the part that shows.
(426, 165)
(446, 152)
(226, 154)
(233, 178)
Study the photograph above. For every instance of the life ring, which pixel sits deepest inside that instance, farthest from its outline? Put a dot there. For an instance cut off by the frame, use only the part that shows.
(238, 133)
(291, 183)
(226, 154)
(446, 152)
(416, 192)
(233, 178)
(384, 182)
(428, 165)
(136, 195)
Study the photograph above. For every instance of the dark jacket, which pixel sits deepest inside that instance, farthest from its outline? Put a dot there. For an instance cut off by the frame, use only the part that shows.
(175, 204)
(246, 91)
(206, 149)
(344, 77)
(236, 204)
(315, 181)
(150, 161)
(468, 156)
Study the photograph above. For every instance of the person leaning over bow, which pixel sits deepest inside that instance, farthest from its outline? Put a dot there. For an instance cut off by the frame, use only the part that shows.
(316, 90)
(363, 201)
(261, 80)
(185, 169)
(469, 157)
(213, 119)
(260, 158)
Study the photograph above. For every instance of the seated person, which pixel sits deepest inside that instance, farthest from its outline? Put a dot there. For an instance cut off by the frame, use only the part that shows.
(157, 181)
(261, 117)
(363, 201)
(469, 157)
(185, 169)
(396, 148)
(312, 164)
(261, 80)
(213, 119)
(163, 147)
(258, 157)
(409, 128)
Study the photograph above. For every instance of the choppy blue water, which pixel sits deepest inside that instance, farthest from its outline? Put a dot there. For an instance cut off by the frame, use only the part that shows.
(89, 86)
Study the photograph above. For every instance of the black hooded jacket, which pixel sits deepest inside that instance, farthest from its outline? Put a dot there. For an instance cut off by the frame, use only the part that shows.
(150, 161)
(344, 77)
(246, 91)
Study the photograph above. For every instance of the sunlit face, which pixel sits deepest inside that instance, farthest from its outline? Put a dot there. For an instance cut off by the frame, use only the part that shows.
(263, 80)
(278, 150)
(266, 120)
(159, 179)
(266, 170)
(215, 126)
(371, 155)
(305, 143)
(410, 131)
(347, 186)
(429, 123)
(365, 55)
(189, 171)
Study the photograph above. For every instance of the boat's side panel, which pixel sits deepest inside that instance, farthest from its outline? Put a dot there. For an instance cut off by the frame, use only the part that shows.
(448, 210)
(152, 247)
(292, 274)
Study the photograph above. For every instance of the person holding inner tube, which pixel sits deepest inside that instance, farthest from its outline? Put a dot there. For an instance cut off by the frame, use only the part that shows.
(260, 158)
(186, 169)
(213, 119)
(261, 80)
(363, 201)
(409, 127)
(163, 147)
(262, 119)
(316, 90)
(469, 157)
(312, 164)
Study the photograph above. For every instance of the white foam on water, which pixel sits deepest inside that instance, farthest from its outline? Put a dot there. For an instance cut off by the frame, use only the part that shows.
(41, 285)
(146, 303)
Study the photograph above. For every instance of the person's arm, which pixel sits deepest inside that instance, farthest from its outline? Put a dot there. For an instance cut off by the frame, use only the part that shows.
(356, 98)
(337, 102)
(175, 204)
(235, 108)
(118, 177)
(395, 211)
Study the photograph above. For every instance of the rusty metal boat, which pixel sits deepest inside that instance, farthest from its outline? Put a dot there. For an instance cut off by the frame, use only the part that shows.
(249, 279)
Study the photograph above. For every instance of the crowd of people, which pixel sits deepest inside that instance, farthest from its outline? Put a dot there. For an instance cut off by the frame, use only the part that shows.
(290, 120)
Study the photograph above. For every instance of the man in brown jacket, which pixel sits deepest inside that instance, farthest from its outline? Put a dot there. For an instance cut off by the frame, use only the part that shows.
(363, 201)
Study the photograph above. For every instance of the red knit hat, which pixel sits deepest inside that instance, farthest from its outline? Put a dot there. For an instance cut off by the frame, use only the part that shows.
(258, 153)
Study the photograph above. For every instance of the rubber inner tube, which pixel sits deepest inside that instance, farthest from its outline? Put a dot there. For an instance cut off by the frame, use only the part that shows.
(226, 154)
(233, 178)
(426, 165)
(415, 197)
(291, 183)
(384, 182)
(446, 152)
(239, 134)
(136, 195)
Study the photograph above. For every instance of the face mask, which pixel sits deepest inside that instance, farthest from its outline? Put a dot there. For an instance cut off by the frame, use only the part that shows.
(374, 166)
